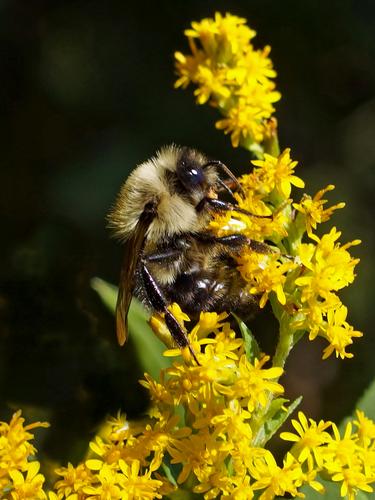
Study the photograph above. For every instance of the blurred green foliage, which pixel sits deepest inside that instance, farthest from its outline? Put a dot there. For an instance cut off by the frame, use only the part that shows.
(86, 94)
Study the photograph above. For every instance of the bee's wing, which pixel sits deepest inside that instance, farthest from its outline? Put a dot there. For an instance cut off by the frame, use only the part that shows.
(132, 253)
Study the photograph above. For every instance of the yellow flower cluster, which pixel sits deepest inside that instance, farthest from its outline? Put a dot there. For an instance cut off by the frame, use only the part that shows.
(347, 459)
(201, 421)
(205, 432)
(304, 277)
(233, 76)
(19, 471)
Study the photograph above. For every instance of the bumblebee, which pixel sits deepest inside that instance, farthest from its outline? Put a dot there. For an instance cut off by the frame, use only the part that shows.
(162, 214)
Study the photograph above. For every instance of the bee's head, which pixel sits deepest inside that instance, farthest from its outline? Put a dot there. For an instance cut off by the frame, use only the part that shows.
(174, 182)
(200, 177)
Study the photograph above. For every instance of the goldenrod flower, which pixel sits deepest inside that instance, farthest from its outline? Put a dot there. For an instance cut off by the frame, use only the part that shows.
(278, 174)
(209, 322)
(73, 480)
(159, 327)
(309, 438)
(329, 266)
(313, 211)
(29, 486)
(16, 448)
(18, 474)
(344, 460)
(255, 382)
(223, 36)
(104, 487)
(231, 75)
(277, 480)
(352, 480)
(265, 274)
(246, 121)
(365, 429)
(127, 483)
(232, 421)
(338, 332)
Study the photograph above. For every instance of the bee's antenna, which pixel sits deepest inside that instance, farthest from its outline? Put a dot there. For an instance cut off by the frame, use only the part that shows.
(226, 187)
(230, 174)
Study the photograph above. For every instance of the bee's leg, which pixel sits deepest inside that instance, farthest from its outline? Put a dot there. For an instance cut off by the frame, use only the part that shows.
(219, 205)
(159, 303)
(167, 255)
(235, 241)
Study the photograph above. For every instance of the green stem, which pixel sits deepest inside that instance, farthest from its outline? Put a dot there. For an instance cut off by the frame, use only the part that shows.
(255, 149)
(283, 348)
(286, 338)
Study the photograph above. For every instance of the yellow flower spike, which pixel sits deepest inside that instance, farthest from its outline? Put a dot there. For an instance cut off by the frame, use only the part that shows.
(130, 483)
(341, 450)
(231, 76)
(186, 66)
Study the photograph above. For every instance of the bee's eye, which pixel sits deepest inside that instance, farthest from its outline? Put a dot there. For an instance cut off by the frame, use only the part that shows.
(189, 171)
(191, 177)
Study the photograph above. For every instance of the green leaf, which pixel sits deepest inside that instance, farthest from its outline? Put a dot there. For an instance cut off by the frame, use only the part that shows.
(107, 292)
(148, 347)
(274, 419)
(168, 473)
(182, 494)
(366, 403)
(251, 345)
(297, 336)
(365, 496)
(332, 490)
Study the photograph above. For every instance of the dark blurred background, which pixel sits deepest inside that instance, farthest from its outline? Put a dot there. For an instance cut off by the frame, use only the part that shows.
(87, 93)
